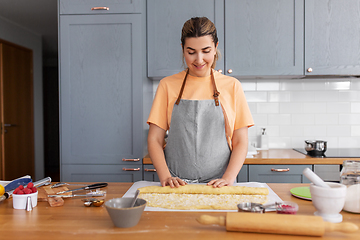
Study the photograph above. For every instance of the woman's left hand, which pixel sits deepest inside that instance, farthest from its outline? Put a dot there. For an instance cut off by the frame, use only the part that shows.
(217, 183)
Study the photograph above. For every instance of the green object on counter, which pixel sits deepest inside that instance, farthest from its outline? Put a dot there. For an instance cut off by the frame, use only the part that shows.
(301, 192)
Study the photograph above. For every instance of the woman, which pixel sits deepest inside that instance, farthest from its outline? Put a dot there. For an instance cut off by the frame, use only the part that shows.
(206, 114)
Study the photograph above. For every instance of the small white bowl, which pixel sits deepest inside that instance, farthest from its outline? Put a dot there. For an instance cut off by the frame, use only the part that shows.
(329, 201)
(19, 200)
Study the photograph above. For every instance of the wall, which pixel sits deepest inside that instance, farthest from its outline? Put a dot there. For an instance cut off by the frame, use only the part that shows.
(297, 109)
(16, 34)
(293, 110)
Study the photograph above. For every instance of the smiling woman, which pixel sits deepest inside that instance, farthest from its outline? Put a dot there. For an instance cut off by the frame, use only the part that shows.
(208, 131)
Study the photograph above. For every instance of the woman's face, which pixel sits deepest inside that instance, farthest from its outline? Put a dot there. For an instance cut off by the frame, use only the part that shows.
(199, 54)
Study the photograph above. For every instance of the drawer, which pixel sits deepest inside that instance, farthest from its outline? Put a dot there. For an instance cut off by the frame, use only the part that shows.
(278, 173)
(149, 173)
(100, 7)
(101, 173)
(243, 174)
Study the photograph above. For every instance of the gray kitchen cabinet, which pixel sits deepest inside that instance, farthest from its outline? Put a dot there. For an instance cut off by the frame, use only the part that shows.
(100, 95)
(278, 173)
(165, 19)
(264, 37)
(99, 7)
(101, 173)
(332, 33)
(261, 37)
(243, 174)
(149, 173)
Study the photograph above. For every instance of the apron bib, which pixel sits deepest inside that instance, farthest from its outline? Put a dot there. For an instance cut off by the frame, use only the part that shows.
(197, 149)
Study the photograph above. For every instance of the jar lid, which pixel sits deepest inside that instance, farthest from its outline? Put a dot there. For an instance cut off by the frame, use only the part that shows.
(351, 164)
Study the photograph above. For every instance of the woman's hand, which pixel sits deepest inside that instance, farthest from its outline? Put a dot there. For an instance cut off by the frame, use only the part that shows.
(218, 183)
(173, 182)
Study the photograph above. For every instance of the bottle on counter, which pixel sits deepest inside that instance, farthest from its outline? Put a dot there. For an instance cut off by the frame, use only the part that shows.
(264, 142)
(350, 176)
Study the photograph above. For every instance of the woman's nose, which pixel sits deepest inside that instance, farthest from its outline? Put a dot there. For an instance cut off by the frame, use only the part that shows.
(199, 58)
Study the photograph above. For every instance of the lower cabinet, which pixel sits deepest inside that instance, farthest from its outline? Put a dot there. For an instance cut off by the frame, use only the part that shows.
(102, 173)
(243, 174)
(278, 173)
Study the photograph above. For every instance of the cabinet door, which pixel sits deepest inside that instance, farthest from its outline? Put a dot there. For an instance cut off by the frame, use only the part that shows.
(243, 174)
(99, 7)
(332, 33)
(165, 19)
(278, 173)
(101, 173)
(100, 88)
(264, 37)
(150, 173)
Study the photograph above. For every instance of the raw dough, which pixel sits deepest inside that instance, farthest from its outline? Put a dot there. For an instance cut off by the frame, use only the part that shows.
(196, 196)
(204, 189)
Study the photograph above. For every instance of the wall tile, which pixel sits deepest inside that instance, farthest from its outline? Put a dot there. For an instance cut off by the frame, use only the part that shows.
(279, 142)
(268, 108)
(260, 119)
(256, 96)
(253, 107)
(293, 131)
(291, 107)
(326, 96)
(303, 119)
(279, 96)
(315, 107)
(338, 107)
(355, 107)
(349, 96)
(268, 86)
(355, 131)
(349, 118)
(314, 85)
(355, 84)
(339, 131)
(349, 142)
(248, 86)
(279, 119)
(315, 131)
(339, 85)
(302, 96)
(326, 119)
(292, 85)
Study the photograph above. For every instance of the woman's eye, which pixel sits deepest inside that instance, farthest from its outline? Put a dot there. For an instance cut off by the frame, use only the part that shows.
(191, 53)
(206, 52)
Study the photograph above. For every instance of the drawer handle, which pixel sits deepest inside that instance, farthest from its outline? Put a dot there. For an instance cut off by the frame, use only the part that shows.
(100, 8)
(131, 169)
(280, 170)
(150, 170)
(131, 159)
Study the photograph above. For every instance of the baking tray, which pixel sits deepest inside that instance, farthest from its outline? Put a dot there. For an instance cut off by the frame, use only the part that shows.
(273, 197)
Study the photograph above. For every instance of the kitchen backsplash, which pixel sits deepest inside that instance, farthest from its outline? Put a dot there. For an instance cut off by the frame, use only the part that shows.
(293, 110)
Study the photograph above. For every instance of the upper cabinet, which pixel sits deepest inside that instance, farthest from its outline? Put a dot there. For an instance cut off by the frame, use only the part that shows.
(165, 19)
(261, 38)
(264, 37)
(332, 33)
(99, 7)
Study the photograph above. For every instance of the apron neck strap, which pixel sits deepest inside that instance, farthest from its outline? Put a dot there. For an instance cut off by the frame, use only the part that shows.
(216, 92)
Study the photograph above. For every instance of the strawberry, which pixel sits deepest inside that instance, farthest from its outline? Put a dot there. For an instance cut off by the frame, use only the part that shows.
(20, 192)
(33, 189)
(27, 191)
(16, 191)
(21, 187)
(30, 185)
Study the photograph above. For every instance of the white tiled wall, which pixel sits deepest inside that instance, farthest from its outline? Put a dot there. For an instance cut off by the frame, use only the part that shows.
(295, 110)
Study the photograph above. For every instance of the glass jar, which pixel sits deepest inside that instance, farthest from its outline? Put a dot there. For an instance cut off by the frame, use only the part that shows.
(350, 176)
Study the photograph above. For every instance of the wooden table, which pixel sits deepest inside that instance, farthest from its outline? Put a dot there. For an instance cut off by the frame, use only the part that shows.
(74, 221)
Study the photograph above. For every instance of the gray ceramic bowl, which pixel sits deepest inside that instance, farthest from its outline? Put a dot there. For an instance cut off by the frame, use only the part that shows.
(121, 214)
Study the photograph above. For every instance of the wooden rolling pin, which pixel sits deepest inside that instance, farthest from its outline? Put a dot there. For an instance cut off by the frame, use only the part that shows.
(277, 224)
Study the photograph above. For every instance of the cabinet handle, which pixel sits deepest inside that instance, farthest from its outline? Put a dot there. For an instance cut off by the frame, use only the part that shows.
(280, 170)
(131, 159)
(309, 69)
(230, 71)
(150, 170)
(9, 125)
(131, 169)
(220, 70)
(100, 8)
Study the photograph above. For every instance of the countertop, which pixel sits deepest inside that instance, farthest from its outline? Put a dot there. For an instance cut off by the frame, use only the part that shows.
(74, 221)
(282, 156)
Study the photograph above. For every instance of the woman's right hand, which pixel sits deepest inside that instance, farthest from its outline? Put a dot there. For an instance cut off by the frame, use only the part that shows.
(173, 182)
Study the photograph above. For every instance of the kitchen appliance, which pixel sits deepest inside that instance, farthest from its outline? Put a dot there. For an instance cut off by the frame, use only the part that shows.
(335, 153)
(315, 147)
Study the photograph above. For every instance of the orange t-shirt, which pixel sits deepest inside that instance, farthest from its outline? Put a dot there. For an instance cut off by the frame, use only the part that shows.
(232, 98)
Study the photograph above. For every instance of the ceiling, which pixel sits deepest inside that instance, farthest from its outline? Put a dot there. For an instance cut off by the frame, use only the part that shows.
(38, 16)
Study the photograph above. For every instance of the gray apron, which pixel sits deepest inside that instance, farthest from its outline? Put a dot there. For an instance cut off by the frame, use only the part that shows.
(196, 148)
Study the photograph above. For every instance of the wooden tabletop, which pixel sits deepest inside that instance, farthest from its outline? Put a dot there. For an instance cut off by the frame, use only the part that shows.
(74, 221)
(282, 156)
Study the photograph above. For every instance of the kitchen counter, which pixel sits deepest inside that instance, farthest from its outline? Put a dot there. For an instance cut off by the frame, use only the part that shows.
(282, 156)
(74, 221)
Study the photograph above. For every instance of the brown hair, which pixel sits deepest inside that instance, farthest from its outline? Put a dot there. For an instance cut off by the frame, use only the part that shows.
(198, 27)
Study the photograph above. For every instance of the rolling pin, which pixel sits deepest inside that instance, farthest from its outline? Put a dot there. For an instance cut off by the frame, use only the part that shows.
(277, 224)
